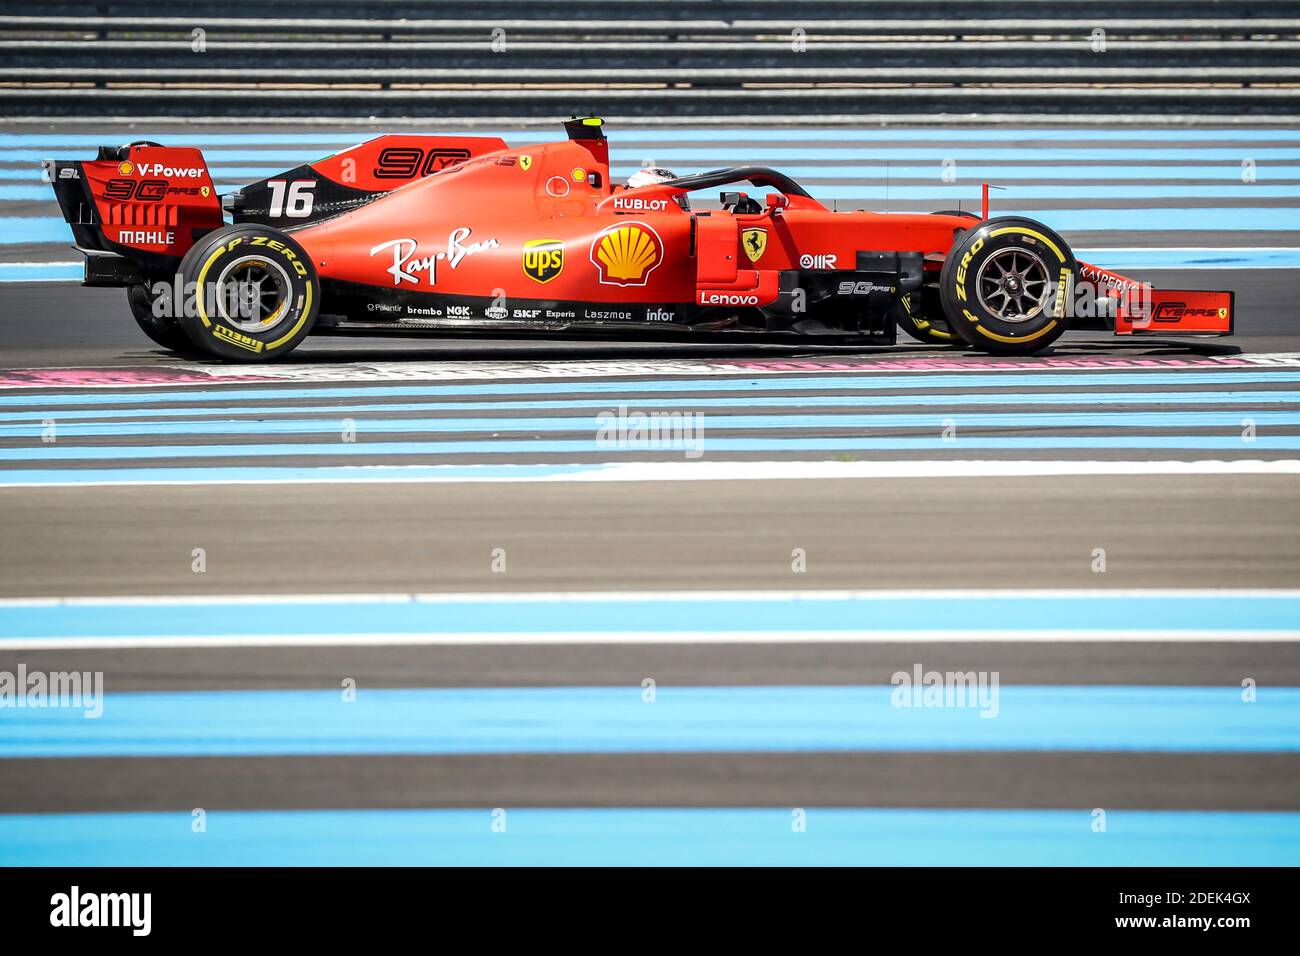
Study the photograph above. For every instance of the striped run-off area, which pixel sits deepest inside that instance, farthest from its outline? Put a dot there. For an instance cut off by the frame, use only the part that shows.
(596, 421)
(574, 420)
(633, 687)
(1125, 199)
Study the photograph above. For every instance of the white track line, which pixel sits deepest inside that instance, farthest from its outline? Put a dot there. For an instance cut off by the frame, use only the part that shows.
(718, 471)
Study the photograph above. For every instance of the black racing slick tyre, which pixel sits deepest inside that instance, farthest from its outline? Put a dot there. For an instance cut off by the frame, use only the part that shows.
(920, 315)
(251, 293)
(160, 328)
(1006, 286)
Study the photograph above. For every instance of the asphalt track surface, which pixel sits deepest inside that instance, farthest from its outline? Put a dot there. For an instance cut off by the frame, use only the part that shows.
(62, 324)
(146, 470)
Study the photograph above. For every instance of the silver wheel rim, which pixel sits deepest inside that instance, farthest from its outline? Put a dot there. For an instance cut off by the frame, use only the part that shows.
(261, 291)
(1012, 284)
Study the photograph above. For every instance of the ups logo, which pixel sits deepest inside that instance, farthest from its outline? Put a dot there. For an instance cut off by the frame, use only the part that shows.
(543, 259)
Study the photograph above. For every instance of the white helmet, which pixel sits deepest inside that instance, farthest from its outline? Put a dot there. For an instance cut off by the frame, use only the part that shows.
(649, 176)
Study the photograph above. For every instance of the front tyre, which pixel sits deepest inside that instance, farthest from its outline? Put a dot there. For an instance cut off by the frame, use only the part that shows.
(1006, 286)
(251, 293)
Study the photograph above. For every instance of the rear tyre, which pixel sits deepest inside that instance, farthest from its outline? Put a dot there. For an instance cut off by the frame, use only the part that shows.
(252, 293)
(161, 329)
(1006, 286)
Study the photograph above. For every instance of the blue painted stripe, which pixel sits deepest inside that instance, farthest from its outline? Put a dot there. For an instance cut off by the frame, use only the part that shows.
(703, 134)
(41, 271)
(704, 425)
(1083, 613)
(679, 720)
(69, 417)
(1224, 179)
(1207, 219)
(16, 193)
(869, 380)
(703, 440)
(33, 229)
(873, 164)
(1192, 258)
(969, 193)
(585, 836)
(787, 155)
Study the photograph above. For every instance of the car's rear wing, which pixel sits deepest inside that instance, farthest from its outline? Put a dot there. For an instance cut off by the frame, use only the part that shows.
(135, 209)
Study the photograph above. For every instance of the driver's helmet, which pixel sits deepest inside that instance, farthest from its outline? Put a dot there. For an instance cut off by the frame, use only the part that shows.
(649, 176)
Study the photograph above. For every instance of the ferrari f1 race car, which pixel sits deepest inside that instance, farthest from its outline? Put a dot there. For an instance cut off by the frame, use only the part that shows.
(429, 234)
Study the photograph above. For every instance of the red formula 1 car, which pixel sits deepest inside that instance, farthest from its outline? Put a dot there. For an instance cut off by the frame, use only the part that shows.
(432, 234)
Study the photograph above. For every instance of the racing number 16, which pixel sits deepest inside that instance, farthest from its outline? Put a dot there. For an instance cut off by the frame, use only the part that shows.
(299, 195)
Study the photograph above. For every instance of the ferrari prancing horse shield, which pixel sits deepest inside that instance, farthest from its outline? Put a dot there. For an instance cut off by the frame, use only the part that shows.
(755, 243)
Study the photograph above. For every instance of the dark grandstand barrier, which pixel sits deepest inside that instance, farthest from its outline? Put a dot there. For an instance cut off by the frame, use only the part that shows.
(355, 58)
(1103, 12)
(129, 58)
(708, 77)
(947, 27)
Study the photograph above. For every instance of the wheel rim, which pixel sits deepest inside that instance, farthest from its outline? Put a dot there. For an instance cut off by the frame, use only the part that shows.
(259, 291)
(1012, 284)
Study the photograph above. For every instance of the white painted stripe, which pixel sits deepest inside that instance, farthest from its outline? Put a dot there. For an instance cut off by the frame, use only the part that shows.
(787, 470)
(569, 597)
(649, 637)
(711, 471)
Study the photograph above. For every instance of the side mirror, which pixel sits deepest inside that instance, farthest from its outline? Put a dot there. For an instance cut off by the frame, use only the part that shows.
(776, 202)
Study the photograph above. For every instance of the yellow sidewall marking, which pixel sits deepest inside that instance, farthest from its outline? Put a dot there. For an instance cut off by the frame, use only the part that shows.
(198, 292)
(1013, 339)
(1029, 232)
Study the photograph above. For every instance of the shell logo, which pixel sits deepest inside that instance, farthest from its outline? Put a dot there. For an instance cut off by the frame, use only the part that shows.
(125, 168)
(626, 254)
